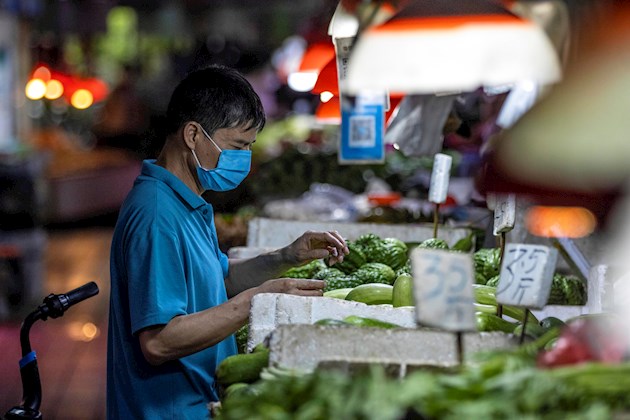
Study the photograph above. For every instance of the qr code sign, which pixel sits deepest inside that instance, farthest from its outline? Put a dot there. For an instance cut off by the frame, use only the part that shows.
(362, 131)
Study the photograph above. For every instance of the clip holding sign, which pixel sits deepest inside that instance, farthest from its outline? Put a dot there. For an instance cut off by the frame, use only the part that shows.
(504, 213)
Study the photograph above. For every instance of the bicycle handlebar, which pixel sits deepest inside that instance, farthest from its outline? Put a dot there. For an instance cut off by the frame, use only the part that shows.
(54, 306)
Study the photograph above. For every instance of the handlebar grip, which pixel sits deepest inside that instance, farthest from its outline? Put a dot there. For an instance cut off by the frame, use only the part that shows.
(81, 293)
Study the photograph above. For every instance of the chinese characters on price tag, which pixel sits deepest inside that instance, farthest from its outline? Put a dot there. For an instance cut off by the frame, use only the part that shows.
(526, 274)
(443, 289)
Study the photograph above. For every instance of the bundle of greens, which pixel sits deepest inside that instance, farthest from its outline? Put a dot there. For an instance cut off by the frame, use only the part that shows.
(503, 386)
(487, 264)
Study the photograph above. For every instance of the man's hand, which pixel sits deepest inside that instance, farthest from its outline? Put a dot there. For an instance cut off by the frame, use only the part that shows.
(300, 287)
(315, 245)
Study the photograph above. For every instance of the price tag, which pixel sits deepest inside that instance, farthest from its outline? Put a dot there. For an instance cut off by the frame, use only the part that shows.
(439, 178)
(504, 213)
(526, 274)
(443, 289)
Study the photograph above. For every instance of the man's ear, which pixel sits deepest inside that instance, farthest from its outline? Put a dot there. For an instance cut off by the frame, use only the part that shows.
(190, 133)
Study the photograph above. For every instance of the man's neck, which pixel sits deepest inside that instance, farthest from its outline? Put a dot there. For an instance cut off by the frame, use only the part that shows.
(175, 160)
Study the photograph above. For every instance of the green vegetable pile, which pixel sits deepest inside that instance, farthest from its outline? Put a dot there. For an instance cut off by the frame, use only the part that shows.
(306, 271)
(565, 289)
(371, 260)
(241, 338)
(487, 264)
(500, 386)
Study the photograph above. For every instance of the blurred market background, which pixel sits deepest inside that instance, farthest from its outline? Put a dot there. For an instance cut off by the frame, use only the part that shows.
(83, 88)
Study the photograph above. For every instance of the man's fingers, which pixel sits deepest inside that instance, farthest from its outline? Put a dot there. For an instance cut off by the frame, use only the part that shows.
(342, 242)
(302, 292)
(310, 284)
(331, 239)
(316, 254)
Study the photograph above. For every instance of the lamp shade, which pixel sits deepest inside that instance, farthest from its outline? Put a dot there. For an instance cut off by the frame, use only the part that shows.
(572, 147)
(443, 46)
(328, 79)
(316, 56)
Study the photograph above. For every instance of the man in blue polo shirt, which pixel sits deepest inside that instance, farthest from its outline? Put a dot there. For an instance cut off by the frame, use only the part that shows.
(176, 300)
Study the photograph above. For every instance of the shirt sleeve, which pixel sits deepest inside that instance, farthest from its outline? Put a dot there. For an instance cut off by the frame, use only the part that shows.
(225, 264)
(157, 284)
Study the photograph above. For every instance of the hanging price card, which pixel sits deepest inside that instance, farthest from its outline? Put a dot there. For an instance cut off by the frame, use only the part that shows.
(526, 274)
(504, 213)
(443, 289)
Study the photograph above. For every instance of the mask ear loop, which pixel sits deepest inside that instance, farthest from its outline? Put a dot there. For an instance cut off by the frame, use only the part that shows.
(210, 138)
(196, 159)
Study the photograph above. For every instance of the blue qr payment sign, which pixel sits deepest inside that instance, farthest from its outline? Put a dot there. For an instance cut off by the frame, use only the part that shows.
(362, 134)
(362, 131)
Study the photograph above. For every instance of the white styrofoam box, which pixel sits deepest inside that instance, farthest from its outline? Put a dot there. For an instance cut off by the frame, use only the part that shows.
(264, 232)
(269, 310)
(599, 296)
(304, 347)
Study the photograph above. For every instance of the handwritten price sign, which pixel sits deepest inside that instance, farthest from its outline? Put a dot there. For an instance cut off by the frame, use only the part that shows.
(443, 289)
(526, 274)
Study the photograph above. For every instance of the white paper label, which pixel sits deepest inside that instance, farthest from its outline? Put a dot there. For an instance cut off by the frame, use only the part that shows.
(504, 213)
(439, 178)
(442, 287)
(526, 274)
(343, 46)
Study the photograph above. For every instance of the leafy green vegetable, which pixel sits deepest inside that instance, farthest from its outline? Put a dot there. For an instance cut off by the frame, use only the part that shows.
(465, 244)
(306, 271)
(493, 282)
(405, 269)
(491, 322)
(369, 243)
(433, 243)
(375, 272)
(329, 273)
(499, 385)
(487, 262)
(352, 261)
(393, 252)
(336, 279)
(345, 282)
(241, 338)
(567, 290)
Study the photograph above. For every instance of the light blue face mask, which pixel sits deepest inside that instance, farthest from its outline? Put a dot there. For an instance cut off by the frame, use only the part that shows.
(232, 168)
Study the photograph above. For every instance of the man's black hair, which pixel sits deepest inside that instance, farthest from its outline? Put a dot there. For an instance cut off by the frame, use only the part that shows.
(216, 97)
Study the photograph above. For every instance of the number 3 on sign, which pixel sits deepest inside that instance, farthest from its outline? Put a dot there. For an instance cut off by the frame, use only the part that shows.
(443, 289)
(526, 274)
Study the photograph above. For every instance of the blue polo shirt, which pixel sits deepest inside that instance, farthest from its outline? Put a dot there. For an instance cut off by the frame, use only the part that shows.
(165, 262)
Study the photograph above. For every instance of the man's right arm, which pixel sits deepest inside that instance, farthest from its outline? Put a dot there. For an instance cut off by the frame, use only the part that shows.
(184, 335)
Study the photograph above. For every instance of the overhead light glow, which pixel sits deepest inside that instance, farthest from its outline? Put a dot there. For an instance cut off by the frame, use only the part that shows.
(560, 222)
(82, 331)
(82, 99)
(302, 81)
(54, 89)
(326, 96)
(35, 89)
(42, 73)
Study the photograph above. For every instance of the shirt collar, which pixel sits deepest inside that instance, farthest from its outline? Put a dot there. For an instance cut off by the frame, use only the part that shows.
(149, 168)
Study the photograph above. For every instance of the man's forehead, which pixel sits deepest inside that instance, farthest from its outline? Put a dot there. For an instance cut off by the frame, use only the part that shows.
(237, 133)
